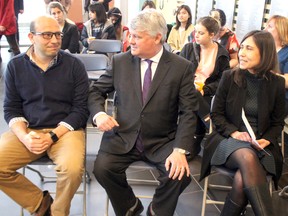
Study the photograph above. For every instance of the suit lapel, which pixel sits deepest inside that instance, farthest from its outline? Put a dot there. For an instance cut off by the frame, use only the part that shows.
(135, 77)
(160, 73)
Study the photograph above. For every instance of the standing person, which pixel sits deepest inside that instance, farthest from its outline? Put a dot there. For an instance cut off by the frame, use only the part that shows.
(277, 25)
(255, 88)
(104, 2)
(70, 40)
(179, 34)
(209, 60)
(226, 37)
(18, 8)
(45, 105)
(155, 124)
(8, 25)
(98, 27)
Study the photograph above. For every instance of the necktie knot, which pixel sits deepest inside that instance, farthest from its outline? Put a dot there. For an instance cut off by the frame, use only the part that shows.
(149, 62)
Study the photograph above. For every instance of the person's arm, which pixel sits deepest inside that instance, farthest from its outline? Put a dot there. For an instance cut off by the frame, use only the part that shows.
(172, 40)
(285, 76)
(97, 97)
(109, 33)
(73, 46)
(176, 162)
(78, 116)
(233, 60)
(218, 113)
(278, 113)
(84, 36)
(21, 6)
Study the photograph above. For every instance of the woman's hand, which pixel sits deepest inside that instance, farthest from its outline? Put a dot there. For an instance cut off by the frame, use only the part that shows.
(262, 144)
(243, 136)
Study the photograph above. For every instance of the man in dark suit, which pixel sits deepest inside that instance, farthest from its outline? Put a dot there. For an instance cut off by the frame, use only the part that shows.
(157, 128)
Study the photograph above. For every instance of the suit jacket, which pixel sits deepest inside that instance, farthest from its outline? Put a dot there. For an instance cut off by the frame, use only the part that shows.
(226, 115)
(172, 94)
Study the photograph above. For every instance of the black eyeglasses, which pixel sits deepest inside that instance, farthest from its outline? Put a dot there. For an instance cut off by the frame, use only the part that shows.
(49, 35)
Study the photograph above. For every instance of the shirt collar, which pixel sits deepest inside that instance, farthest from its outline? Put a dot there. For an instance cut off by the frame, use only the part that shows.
(31, 50)
(157, 57)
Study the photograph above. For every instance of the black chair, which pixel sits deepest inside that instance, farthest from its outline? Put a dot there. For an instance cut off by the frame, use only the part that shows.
(105, 46)
(95, 64)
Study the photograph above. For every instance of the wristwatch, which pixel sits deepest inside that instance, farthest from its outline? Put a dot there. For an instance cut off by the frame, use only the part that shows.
(53, 136)
(182, 151)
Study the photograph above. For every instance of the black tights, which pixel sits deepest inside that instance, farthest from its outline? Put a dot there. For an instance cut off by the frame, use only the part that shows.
(249, 173)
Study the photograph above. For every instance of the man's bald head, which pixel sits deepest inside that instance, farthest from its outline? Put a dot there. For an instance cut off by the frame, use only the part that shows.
(40, 21)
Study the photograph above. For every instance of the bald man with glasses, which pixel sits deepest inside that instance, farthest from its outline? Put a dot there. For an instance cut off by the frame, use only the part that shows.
(45, 106)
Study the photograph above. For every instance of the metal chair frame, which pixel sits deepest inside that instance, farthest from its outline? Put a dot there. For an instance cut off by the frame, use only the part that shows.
(46, 161)
(139, 166)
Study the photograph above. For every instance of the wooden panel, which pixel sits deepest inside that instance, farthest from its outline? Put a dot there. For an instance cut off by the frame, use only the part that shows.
(228, 7)
(279, 7)
(249, 16)
(204, 8)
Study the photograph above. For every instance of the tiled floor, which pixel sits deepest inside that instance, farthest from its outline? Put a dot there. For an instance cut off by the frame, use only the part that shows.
(189, 202)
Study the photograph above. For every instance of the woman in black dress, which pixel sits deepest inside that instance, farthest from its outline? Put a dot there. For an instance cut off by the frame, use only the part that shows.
(255, 88)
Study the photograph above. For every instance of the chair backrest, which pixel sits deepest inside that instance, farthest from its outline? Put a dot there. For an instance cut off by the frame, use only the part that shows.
(105, 46)
(95, 64)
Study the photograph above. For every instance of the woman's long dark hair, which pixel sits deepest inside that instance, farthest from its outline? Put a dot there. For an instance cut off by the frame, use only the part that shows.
(99, 9)
(268, 55)
(189, 21)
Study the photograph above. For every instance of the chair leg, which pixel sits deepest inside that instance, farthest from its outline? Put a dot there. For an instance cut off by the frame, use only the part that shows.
(36, 171)
(283, 143)
(204, 196)
(107, 206)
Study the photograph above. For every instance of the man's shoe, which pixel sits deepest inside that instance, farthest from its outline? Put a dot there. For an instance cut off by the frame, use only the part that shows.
(150, 211)
(44, 208)
(136, 209)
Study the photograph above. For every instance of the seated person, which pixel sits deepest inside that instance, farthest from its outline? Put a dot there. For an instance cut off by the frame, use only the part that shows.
(180, 33)
(104, 2)
(238, 142)
(98, 27)
(70, 40)
(45, 105)
(66, 3)
(277, 25)
(122, 32)
(209, 59)
(148, 4)
(226, 37)
(155, 120)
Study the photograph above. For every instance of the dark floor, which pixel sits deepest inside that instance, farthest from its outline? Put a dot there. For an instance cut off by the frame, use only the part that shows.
(190, 201)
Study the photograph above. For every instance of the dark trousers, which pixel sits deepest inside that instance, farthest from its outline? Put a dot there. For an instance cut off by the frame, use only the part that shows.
(11, 39)
(109, 170)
